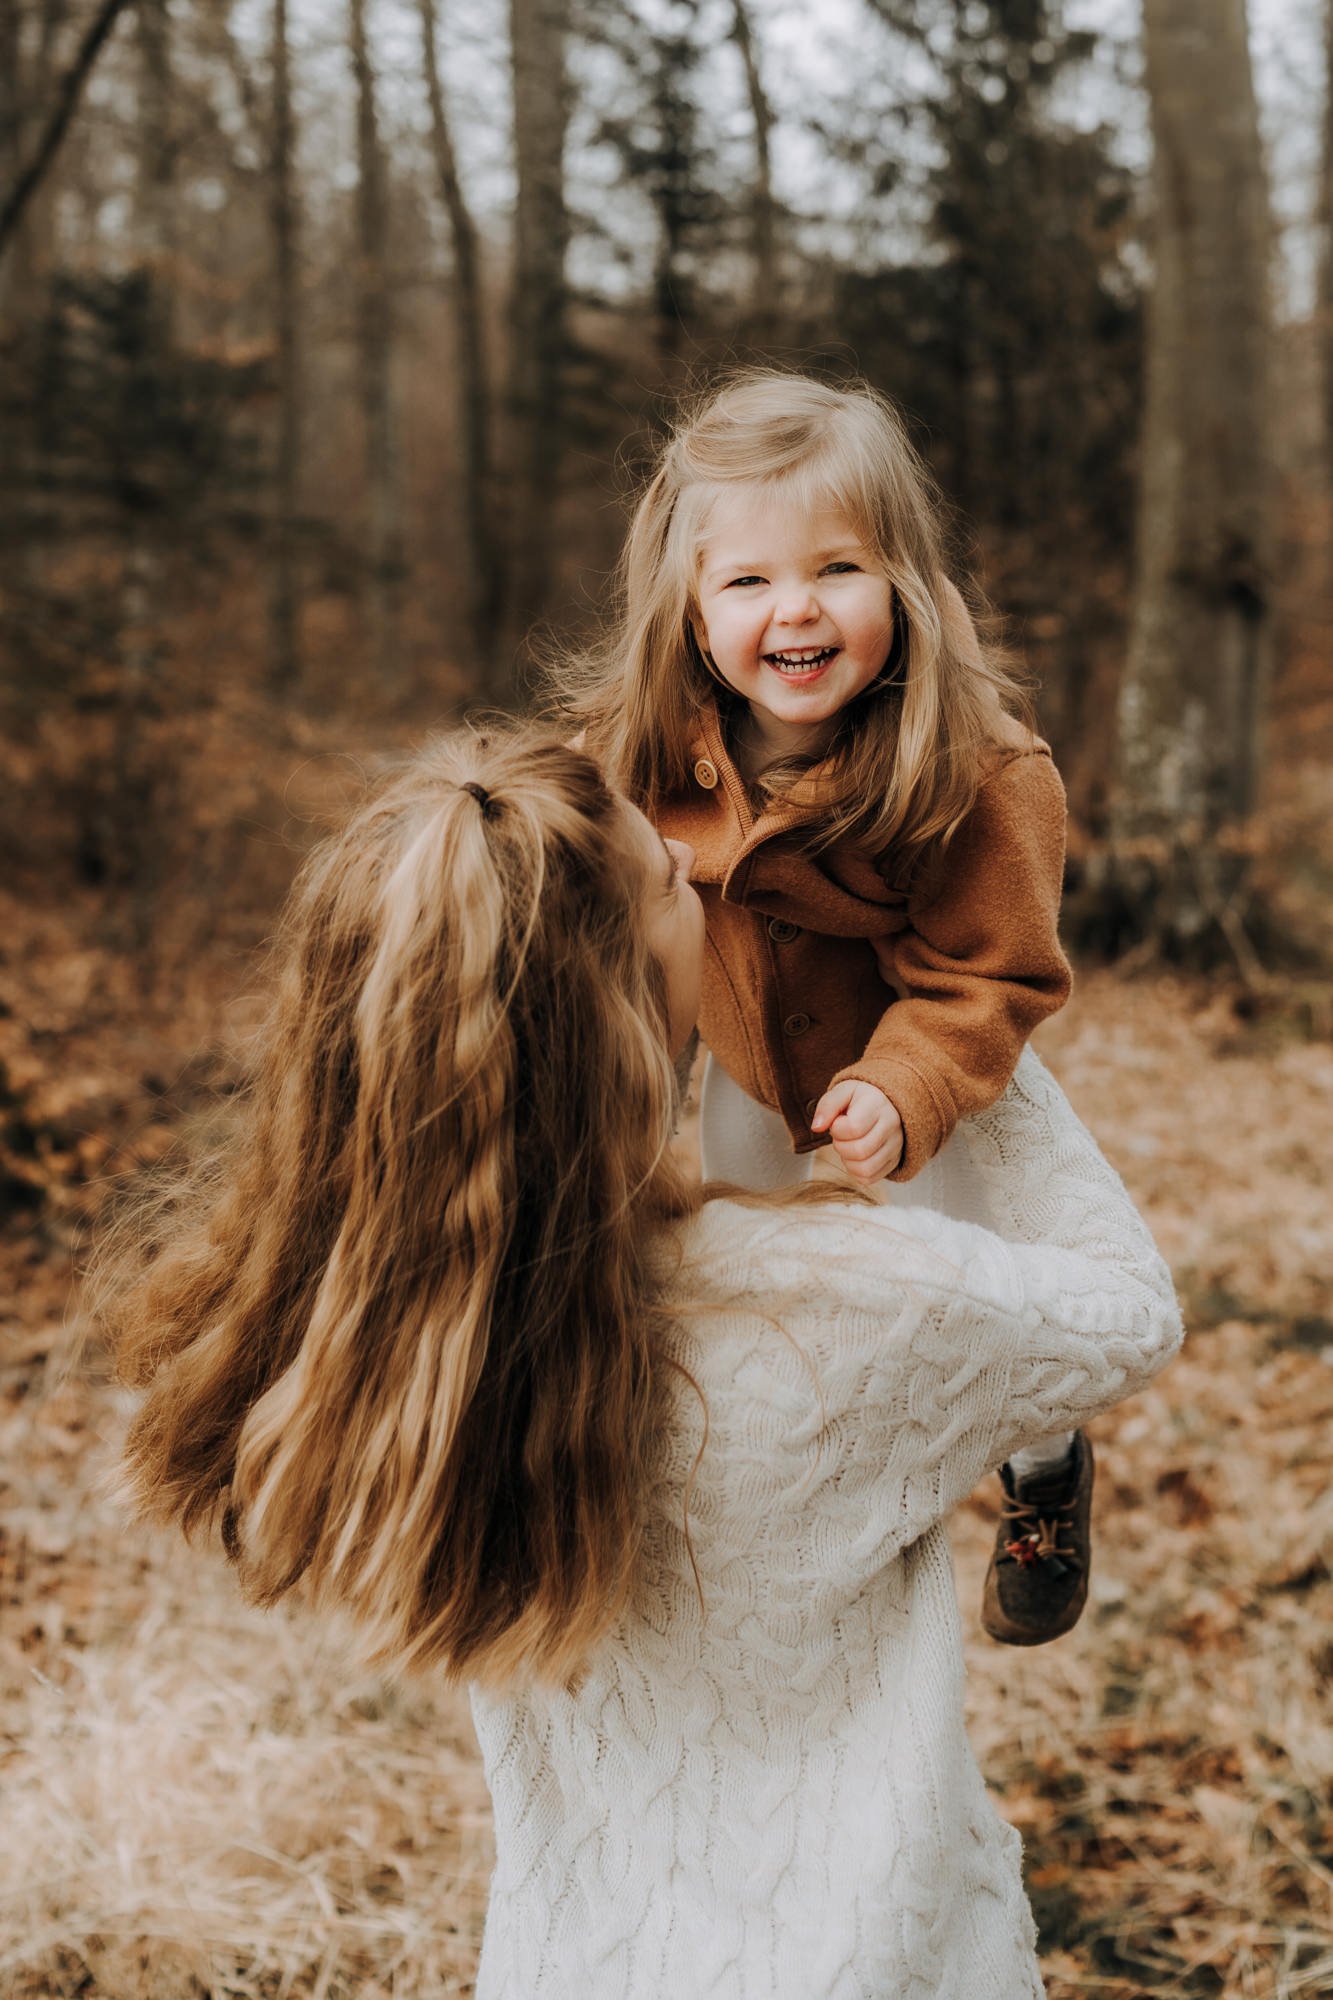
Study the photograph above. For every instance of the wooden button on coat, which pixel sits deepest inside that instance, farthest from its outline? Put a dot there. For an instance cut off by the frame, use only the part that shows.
(796, 1024)
(705, 774)
(811, 1109)
(781, 931)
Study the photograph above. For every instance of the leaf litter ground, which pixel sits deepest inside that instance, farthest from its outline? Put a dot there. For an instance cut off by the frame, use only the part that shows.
(202, 1802)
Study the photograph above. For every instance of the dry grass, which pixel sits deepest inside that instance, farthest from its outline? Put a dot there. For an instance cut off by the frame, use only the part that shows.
(199, 1800)
(1170, 1764)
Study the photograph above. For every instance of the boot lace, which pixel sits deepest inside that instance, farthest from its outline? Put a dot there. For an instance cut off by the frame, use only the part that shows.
(1036, 1536)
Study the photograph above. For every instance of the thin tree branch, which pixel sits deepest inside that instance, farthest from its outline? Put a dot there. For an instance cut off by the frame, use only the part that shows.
(761, 114)
(905, 21)
(247, 90)
(71, 89)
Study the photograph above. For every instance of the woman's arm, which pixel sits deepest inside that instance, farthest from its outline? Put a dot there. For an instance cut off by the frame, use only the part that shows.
(941, 1347)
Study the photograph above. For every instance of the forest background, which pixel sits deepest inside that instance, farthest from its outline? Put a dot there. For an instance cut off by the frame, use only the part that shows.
(333, 338)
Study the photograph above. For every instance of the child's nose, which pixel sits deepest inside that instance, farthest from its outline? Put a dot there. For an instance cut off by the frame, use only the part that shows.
(797, 606)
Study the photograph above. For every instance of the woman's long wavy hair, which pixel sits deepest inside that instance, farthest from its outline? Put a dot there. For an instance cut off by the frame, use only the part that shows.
(903, 769)
(398, 1340)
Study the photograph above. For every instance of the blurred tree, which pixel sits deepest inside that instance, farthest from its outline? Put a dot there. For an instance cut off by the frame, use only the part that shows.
(538, 316)
(1323, 305)
(133, 477)
(126, 827)
(28, 171)
(483, 579)
(11, 94)
(385, 556)
(18, 95)
(988, 277)
(1014, 337)
(765, 299)
(668, 171)
(154, 208)
(1193, 700)
(284, 224)
(669, 158)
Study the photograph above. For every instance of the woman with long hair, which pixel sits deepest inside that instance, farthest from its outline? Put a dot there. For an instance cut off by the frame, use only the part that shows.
(447, 1337)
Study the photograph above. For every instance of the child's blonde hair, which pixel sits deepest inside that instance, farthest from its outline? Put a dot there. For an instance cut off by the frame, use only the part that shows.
(908, 755)
(399, 1338)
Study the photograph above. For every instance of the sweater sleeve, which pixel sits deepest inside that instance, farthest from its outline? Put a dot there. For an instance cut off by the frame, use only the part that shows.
(1075, 1322)
(941, 1347)
(979, 965)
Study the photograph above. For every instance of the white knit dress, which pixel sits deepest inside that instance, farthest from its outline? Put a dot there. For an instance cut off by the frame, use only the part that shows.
(770, 1796)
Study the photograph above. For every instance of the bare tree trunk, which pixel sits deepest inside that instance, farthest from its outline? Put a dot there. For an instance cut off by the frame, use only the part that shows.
(383, 472)
(36, 249)
(154, 219)
(284, 613)
(15, 93)
(133, 836)
(11, 91)
(16, 553)
(1325, 249)
(471, 377)
(1195, 683)
(538, 34)
(20, 191)
(763, 211)
(673, 289)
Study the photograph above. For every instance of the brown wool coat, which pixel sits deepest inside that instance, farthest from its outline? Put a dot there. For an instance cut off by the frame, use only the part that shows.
(819, 969)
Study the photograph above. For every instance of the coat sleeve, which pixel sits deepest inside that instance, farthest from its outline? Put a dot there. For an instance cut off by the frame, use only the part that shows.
(979, 965)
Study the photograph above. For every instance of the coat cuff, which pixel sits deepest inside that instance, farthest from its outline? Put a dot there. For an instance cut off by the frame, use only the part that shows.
(928, 1118)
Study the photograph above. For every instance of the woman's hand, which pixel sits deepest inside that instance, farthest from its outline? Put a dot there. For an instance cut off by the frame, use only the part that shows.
(865, 1128)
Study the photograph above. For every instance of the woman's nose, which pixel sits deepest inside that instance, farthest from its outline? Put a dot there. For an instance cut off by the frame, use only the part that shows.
(683, 855)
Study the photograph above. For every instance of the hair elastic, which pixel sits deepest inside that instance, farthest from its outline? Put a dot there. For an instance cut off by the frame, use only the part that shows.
(483, 798)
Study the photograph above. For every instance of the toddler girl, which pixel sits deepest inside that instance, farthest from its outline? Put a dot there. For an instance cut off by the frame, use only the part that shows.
(797, 691)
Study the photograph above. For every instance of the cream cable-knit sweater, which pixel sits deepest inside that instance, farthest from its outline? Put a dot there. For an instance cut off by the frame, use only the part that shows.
(772, 1797)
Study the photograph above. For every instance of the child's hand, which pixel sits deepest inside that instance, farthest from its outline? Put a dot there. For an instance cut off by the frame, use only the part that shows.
(865, 1128)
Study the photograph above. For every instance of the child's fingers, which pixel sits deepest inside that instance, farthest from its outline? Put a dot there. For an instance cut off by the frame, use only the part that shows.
(855, 1140)
(870, 1126)
(876, 1152)
(874, 1167)
(859, 1107)
(831, 1105)
(862, 1170)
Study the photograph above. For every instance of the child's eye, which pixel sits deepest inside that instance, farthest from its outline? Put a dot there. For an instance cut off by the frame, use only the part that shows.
(841, 568)
(737, 581)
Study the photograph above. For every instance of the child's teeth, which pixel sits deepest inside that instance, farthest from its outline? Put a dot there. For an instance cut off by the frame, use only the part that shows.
(801, 662)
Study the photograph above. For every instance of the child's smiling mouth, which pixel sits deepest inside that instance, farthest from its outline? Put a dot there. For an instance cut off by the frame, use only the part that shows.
(803, 663)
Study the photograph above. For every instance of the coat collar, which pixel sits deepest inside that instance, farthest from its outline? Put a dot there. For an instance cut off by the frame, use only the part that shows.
(797, 806)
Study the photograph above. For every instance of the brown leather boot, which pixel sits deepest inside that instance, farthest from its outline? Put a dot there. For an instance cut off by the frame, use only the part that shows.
(1037, 1583)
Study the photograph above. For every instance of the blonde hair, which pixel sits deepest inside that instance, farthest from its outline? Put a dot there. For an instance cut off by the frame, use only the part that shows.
(907, 758)
(399, 1339)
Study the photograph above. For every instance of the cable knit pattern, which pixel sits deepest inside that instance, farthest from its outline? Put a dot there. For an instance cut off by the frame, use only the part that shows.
(769, 1795)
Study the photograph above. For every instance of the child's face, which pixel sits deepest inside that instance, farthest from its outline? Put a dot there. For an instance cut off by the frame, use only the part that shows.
(796, 612)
